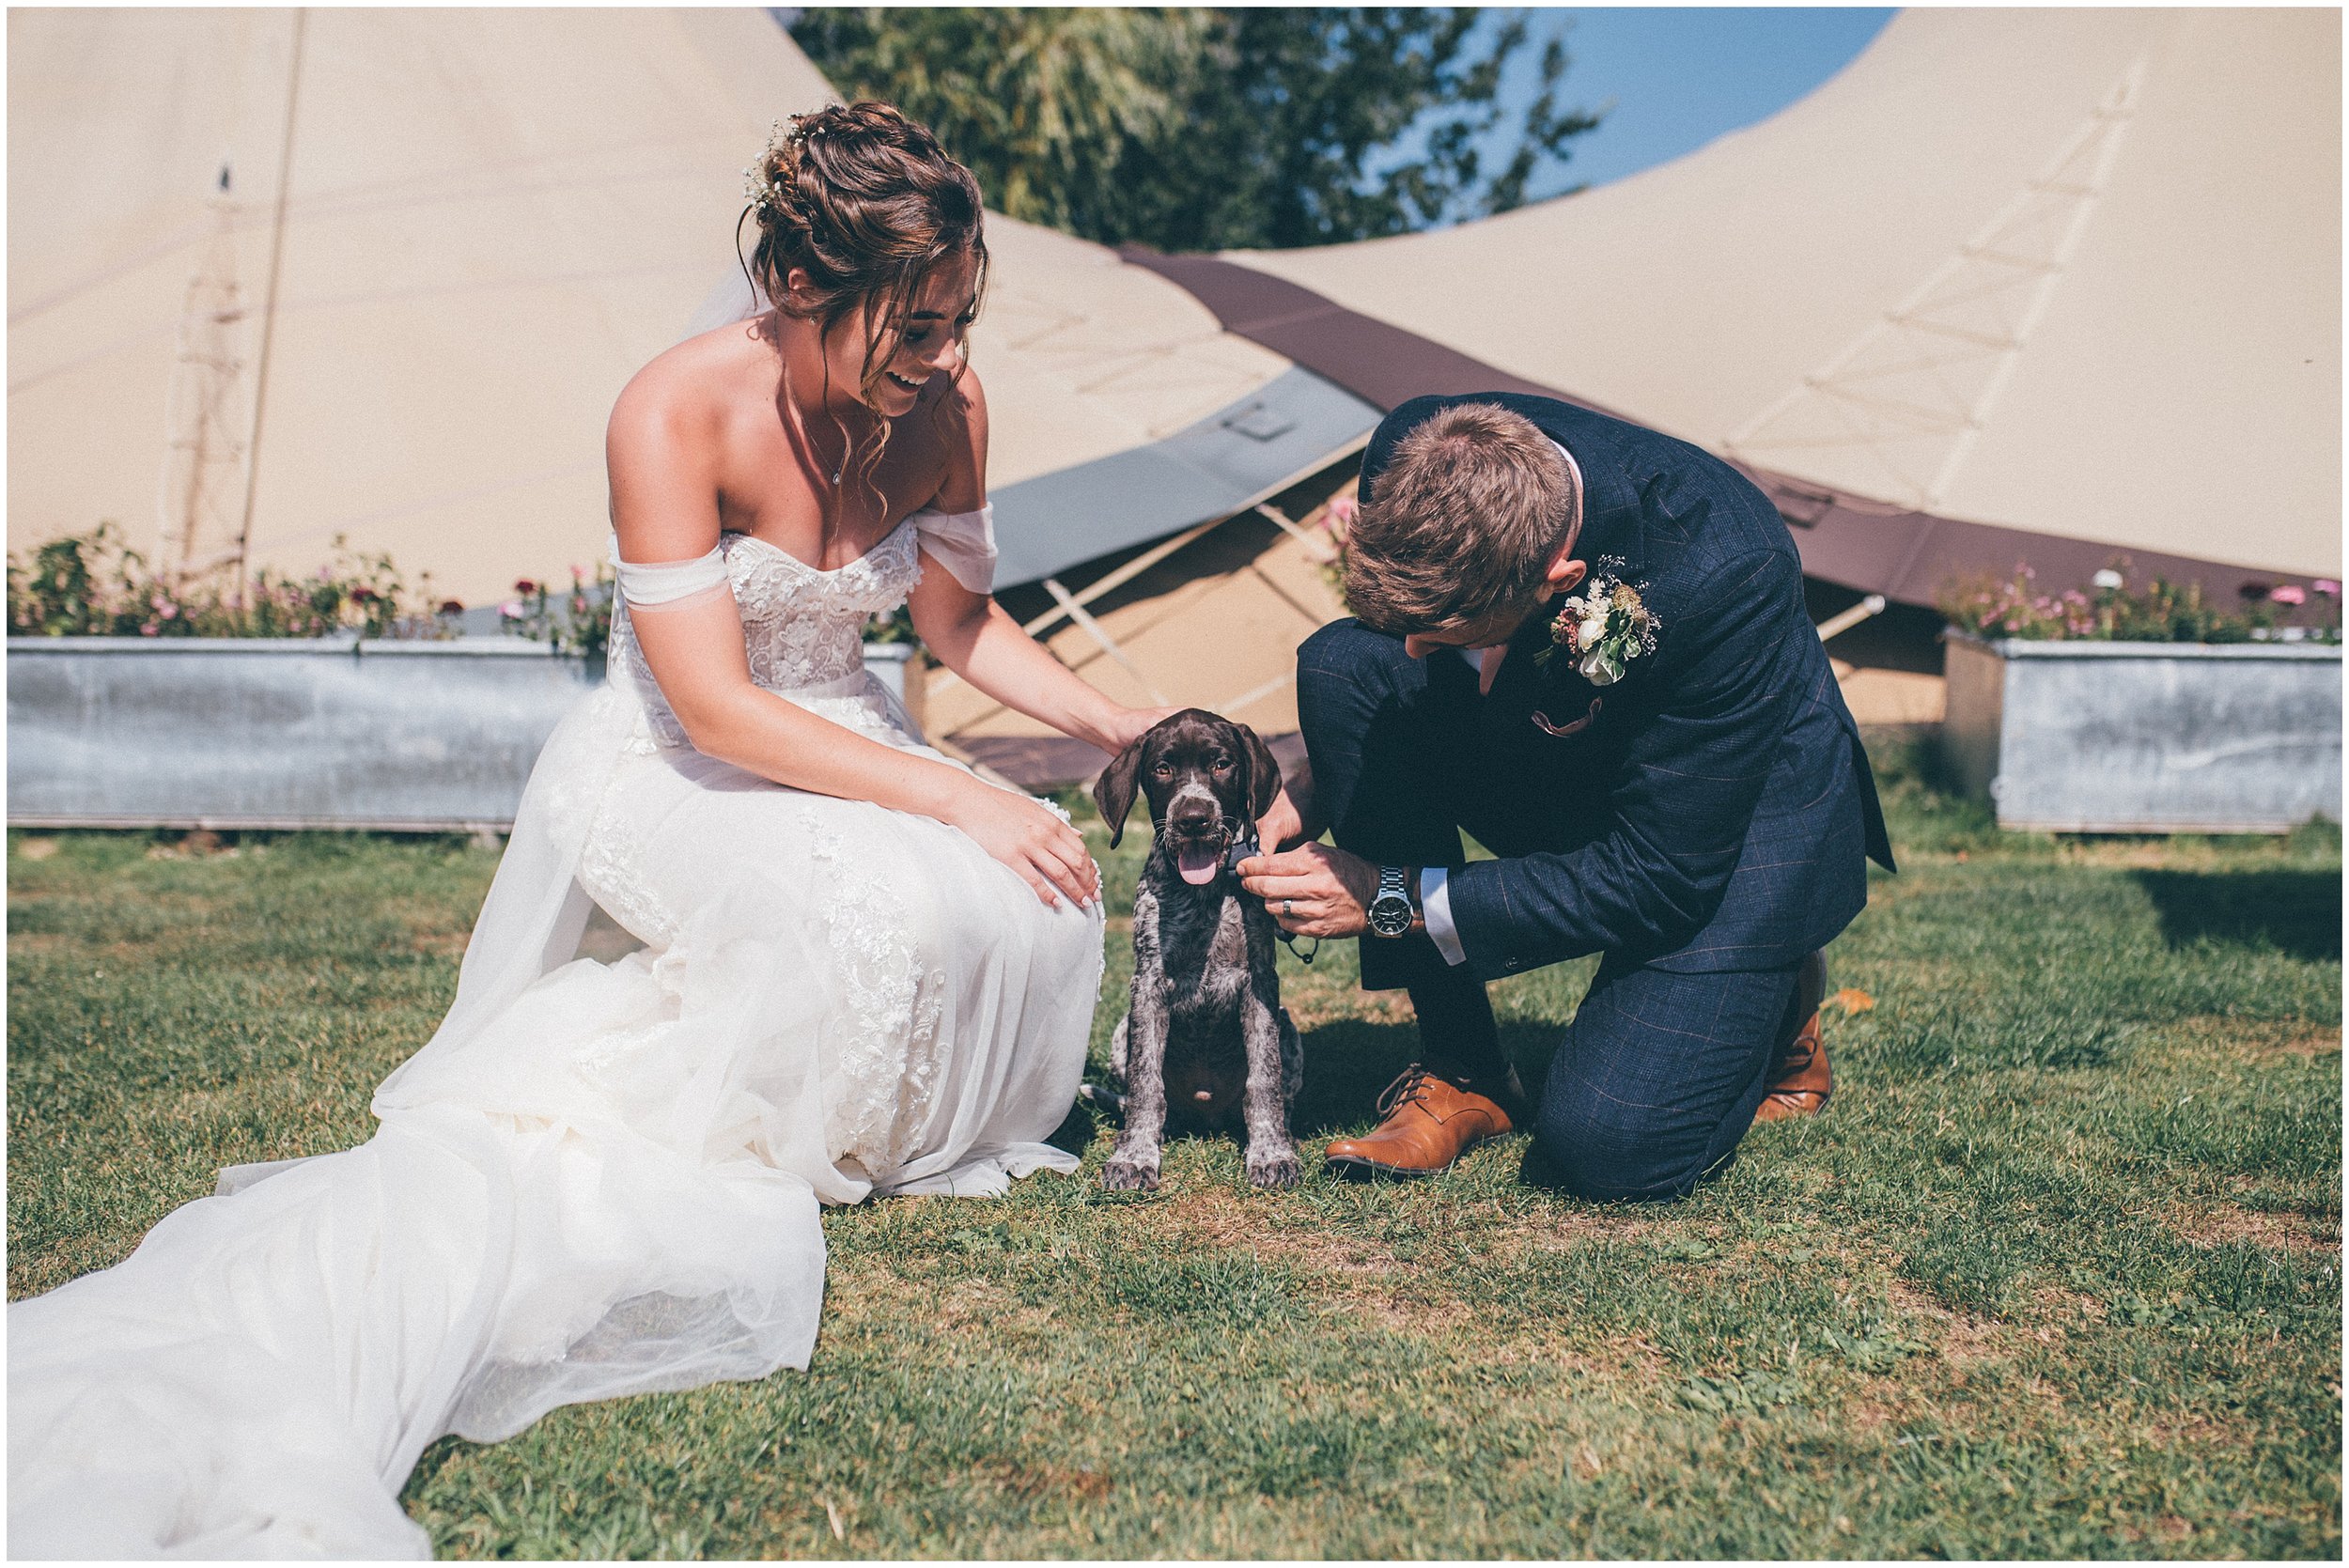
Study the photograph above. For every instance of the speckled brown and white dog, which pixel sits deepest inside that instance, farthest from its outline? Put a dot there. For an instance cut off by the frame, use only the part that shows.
(1204, 1043)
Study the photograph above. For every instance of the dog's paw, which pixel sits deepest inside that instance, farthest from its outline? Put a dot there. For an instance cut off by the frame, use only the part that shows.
(1124, 1173)
(1274, 1167)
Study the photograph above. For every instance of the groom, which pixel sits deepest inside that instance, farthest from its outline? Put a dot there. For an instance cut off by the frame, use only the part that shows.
(1584, 643)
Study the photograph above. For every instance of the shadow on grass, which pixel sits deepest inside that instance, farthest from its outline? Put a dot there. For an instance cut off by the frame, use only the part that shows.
(1076, 1129)
(1350, 1062)
(2293, 912)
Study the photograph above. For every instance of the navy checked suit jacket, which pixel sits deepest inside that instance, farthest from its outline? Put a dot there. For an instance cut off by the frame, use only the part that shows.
(1719, 810)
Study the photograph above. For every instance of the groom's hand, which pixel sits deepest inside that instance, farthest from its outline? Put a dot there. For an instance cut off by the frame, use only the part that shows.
(1314, 890)
(1283, 826)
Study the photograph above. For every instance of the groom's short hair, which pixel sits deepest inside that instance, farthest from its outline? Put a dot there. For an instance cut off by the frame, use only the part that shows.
(1462, 523)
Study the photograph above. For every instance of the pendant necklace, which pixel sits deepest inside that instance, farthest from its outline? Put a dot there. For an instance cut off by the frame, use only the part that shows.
(807, 436)
(847, 447)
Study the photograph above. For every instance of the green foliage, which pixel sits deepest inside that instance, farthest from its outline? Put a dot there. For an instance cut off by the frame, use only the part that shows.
(2162, 612)
(1194, 130)
(578, 622)
(2057, 1275)
(92, 586)
(895, 627)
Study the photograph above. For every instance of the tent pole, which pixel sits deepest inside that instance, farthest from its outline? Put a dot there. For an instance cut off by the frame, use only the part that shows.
(1123, 575)
(1151, 557)
(1092, 629)
(268, 307)
(1836, 624)
(1316, 551)
(1126, 573)
(1232, 705)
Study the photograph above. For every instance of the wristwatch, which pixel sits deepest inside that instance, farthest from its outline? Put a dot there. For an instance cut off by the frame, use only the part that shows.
(1390, 910)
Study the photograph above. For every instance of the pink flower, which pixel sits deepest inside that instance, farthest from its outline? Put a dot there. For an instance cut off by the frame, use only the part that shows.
(2326, 587)
(2290, 593)
(511, 610)
(170, 611)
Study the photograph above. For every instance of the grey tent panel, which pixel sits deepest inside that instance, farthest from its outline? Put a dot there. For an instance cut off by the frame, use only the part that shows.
(1208, 469)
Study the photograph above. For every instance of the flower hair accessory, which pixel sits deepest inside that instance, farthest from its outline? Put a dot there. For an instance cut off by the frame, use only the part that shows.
(756, 188)
(761, 190)
(1605, 627)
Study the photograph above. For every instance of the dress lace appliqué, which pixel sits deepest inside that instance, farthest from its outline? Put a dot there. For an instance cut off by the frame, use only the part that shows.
(885, 1071)
(802, 628)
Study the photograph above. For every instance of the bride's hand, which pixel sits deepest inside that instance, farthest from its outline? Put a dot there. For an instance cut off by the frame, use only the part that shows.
(1028, 837)
(1130, 725)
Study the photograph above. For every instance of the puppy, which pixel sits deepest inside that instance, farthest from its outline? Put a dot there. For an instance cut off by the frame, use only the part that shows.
(1204, 1042)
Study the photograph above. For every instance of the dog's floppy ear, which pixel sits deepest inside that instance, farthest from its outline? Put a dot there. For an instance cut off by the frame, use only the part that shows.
(1114, 791)
(1264, 774)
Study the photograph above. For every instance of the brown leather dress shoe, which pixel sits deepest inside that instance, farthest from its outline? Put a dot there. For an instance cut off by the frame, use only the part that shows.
(1802, 1081)
(1426, 1123)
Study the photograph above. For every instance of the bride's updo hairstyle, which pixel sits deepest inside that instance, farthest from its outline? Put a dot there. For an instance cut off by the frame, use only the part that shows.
(866, 203)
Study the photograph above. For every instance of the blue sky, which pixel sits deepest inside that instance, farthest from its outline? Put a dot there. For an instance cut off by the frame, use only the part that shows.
(1680, 77)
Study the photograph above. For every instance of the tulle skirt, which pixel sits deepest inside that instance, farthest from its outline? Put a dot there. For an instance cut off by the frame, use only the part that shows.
(600, 1178)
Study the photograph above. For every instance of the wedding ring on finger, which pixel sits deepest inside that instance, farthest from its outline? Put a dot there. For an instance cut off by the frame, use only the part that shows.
(1288, 908)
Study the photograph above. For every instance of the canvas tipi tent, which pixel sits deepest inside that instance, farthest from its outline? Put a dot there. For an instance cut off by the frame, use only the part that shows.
(2017, 287)
(446, 239)
(2038, 285)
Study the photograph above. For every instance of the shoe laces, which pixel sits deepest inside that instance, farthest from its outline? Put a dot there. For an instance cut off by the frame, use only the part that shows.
(1799, 1051)
(1410, 1089)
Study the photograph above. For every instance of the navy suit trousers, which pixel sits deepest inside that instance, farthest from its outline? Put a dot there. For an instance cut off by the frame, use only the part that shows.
(1657, 1076)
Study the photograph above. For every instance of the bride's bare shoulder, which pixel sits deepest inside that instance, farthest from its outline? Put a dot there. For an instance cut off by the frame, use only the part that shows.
(684, 392)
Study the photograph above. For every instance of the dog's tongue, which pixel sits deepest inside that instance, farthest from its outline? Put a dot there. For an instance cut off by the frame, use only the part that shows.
(1198, 863)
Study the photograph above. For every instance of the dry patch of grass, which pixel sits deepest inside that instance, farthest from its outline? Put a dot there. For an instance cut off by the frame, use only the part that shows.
(2239, 1040)
(1965, 1340)
(2229, 1224)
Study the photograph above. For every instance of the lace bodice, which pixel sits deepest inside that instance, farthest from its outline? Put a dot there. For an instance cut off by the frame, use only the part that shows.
(803, 629)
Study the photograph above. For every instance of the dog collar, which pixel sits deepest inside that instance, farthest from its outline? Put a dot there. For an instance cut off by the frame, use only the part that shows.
(1243, 848)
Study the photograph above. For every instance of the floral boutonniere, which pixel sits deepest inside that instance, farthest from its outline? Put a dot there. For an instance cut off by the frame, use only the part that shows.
(1605, 627)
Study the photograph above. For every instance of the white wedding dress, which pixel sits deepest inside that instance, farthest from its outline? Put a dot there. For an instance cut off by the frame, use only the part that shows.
(596, 1179)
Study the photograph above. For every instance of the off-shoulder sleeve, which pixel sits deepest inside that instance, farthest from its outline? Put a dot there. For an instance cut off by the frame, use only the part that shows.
(963, 543)
(658, 582)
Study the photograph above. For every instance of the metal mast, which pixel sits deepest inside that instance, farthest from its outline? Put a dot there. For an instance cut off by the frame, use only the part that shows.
(199, 499)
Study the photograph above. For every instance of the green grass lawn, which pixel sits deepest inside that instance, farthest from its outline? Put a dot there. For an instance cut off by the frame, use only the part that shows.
(2059, 1275)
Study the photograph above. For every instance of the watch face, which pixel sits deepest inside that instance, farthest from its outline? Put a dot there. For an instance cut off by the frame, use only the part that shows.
(1391, 915)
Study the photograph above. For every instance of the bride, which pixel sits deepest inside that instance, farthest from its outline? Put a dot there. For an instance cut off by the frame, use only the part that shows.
(864, 970)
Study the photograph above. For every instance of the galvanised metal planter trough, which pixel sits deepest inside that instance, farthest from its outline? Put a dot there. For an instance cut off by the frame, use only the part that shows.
(2147, 738)
(222, 733)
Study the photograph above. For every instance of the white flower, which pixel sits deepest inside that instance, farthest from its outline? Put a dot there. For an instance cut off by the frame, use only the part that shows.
(2108, 579)
(1599, 669)
(1594, 627)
